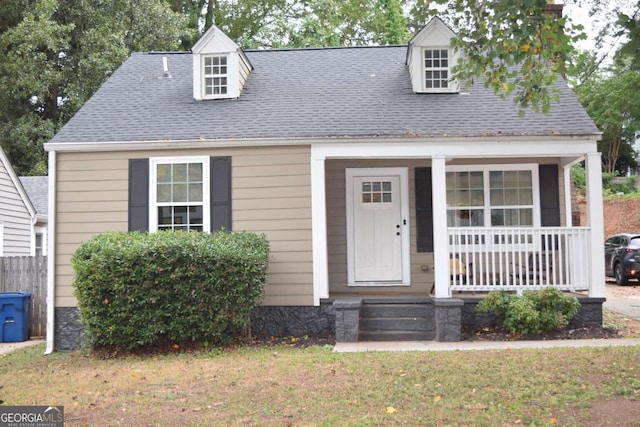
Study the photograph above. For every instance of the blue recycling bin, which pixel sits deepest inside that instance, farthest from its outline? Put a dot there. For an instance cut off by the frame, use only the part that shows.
(15, 316)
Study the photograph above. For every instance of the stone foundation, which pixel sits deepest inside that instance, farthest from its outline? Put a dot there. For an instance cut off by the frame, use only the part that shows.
(448, 313)
(590, 313)
(338, 318)
(69, 332)
(294, 321)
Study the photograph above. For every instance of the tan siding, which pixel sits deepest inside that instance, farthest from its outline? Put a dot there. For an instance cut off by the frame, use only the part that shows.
(15, 217)
(91, 198)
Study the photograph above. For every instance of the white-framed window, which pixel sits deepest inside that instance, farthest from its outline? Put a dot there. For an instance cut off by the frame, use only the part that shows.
(436, 69)
(40, 241)
(493, 196)
(214, 76)
(179, 194)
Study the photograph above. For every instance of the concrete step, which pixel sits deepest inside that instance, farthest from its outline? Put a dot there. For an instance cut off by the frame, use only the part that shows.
(397, 323)
(388, 310)
(396, 335)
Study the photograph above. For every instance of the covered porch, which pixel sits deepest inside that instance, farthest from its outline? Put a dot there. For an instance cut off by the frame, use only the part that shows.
(465, 260)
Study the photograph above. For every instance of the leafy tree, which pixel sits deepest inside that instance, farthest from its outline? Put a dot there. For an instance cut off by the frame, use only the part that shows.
(54, 54)
(612, 103)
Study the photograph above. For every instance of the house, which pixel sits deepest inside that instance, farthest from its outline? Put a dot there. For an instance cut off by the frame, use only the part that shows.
(368, 169)
(18, 216)
(37, 189)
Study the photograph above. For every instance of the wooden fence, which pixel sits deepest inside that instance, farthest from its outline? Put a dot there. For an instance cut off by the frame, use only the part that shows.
(28, 274)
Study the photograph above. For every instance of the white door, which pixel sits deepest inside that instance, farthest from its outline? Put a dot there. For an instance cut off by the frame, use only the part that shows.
(376, 227)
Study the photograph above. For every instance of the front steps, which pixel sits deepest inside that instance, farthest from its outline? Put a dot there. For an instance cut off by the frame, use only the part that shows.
(397, 318)
(383, 320)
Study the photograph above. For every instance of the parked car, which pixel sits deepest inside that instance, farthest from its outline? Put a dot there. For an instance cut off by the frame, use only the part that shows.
(622, 257)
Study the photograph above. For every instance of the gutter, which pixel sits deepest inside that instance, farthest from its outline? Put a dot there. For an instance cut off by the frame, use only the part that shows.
(203, 143)
(51, 245)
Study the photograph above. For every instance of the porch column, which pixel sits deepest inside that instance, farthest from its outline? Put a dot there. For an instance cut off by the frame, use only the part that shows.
(319, 230)
(595, 217)
(440, 242)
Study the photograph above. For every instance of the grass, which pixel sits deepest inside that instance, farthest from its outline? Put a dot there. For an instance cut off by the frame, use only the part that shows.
(313, 386)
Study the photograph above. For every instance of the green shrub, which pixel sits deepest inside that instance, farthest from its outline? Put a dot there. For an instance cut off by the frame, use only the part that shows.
(533, 312)
(137, 289)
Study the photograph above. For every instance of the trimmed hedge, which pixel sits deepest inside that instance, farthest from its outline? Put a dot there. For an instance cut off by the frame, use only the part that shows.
(138, 289)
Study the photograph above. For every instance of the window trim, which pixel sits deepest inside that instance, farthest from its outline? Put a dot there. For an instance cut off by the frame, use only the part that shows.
(450, 82)
(485, 169)
(204, 76)
(206, 188)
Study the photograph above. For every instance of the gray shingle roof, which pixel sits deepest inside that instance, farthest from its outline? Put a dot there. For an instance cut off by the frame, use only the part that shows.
(37, 188)
(332, 92)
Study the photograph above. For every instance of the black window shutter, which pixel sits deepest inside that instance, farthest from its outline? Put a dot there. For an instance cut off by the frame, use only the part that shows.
(424, 209)
(138, 194)
(549, 196)
(220, 193)
(549, 201)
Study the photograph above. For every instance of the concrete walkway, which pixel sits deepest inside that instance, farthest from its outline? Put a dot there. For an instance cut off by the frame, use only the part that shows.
(353, 347)
(7, 347)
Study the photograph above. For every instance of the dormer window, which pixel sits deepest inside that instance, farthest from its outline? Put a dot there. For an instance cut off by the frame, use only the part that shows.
(430, 59)
(436, 68)
(215, 76)
(220, 67)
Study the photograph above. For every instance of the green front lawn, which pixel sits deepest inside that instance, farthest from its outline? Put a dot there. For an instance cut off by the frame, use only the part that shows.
(283, 386)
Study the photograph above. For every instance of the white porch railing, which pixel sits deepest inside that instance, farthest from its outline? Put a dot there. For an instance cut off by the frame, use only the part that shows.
(519, 259)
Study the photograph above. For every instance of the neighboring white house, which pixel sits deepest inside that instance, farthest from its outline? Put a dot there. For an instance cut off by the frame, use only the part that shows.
(17, 214)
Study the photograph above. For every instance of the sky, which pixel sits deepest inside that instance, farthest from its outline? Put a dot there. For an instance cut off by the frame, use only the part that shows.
(578, 11)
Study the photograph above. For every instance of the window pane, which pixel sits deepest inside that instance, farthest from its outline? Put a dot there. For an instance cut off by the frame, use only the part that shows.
(366, 197)
(165, 215)
(195, 215)
(386, 186)
(179, 193)
(164, 193)
(497, 217)
(366, 187)
(497, 197)
(477, 197)
(526, 197)
(386, 197)
(463, 198)
(526, 217)
(510, 179)
(195, 172)
(475, 180)
(163, 173)
(510, 197)
(376, 186)
(180, 215)
(477, 217)
(180, 172)
(195, 192)
(495, 179)
(524, 179)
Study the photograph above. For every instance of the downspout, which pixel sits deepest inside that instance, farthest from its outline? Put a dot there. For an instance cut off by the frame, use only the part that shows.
(51, 255)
